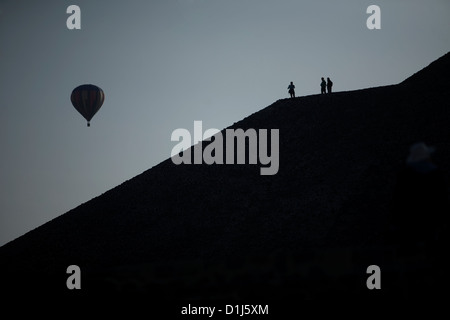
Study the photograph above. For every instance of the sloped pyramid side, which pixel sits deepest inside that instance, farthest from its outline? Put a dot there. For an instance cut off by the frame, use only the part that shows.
(339, 155)
(434, 76)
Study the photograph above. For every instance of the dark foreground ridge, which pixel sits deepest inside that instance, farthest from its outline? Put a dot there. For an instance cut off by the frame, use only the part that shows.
(225, 231)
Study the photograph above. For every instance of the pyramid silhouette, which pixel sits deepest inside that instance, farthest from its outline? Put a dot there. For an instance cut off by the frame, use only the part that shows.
(226, 231)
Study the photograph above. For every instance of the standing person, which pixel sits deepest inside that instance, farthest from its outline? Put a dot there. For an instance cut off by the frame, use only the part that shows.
(323, 86)
(329, 85)
(291, 88)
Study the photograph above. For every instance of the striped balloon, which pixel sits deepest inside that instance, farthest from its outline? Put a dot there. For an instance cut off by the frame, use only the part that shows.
(87, 99)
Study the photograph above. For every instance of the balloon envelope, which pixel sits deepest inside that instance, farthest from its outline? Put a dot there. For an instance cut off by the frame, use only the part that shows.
(87, 100)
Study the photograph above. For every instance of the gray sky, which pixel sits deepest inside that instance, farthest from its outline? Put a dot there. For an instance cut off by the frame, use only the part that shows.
(164, 64)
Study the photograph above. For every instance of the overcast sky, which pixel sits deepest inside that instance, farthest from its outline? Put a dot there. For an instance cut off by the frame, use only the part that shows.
(164, 64)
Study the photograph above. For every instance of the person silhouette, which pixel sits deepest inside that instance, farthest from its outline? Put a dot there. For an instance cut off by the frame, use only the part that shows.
(420, 203)
(291, 88)
(329, 85)
(323, 86)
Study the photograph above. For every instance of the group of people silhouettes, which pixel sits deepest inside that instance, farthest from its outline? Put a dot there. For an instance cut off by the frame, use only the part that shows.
(324, 87)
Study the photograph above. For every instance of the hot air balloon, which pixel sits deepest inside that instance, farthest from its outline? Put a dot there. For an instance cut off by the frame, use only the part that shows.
(87, 99)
